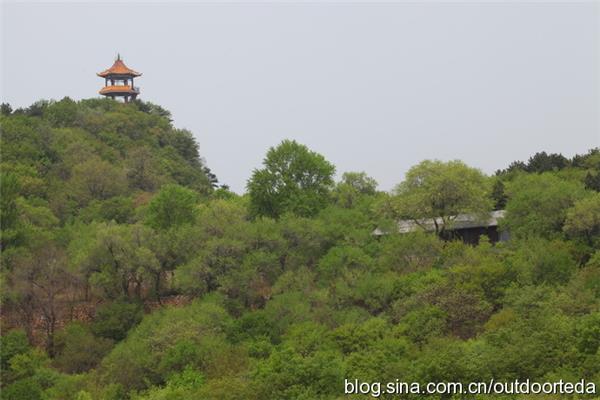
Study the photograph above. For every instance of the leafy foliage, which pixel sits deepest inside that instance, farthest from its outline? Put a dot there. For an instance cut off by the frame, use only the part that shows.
(114, 320)
(435, 189)
(538, 204)
(136, 280)
(294, 180)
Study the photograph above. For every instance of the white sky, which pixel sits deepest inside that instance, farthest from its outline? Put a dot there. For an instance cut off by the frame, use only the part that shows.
(374, 87)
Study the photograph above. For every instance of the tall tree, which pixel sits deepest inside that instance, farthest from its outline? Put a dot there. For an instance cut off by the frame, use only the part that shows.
(294, 179)
(435, 190)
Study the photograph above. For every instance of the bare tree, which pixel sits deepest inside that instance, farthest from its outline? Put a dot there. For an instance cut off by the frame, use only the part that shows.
(41, 284)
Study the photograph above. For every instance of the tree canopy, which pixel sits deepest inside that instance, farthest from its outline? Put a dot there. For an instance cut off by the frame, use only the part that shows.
(294, 179)
(435, 189)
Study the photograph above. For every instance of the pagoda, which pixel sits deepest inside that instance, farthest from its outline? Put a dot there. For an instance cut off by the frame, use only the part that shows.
(118, 81)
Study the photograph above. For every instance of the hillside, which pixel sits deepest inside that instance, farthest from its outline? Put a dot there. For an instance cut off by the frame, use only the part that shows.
(74, 157)
(109, 215)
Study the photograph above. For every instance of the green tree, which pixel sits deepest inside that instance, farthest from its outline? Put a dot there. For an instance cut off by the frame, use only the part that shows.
(289, 375)
(12, 343)
(97, 179)
(436, 189)
(180, 386)
(23, 389)
(167, 341)
(114, 320)
(423, 324)
(352, 187)
(294, 179)
(9, 185)
(542, 162)
(119, 209)
(537, 260)
(538, 204)
(62, 113)
(173, 206)
(583, 219)
(78, 350)
(143, 172)
(340, 259)
(27, 376)
(5, 109)
(499, 195)
(409, 252)
(117, 259)
(592, 181)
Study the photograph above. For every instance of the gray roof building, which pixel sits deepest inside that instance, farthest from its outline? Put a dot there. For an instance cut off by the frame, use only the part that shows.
(465, 225)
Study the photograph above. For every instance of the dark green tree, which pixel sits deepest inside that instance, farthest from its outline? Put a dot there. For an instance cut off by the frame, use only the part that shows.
(114, 320)
(5, 109)
(499, 195)
(543, 162)
(78, 350)
(592, 181)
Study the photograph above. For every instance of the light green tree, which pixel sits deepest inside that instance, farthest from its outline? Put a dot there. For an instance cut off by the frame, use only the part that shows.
(583, 219)
(436, 190)
(538, 203)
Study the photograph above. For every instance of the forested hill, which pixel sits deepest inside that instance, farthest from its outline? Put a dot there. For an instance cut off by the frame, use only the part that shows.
(127, 275)
(76, 159)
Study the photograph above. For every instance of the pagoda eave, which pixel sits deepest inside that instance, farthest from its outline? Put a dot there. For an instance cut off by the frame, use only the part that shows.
(117, 75)
(115, 90)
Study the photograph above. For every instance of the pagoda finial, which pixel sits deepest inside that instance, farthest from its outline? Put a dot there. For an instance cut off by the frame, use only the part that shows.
(118, 56)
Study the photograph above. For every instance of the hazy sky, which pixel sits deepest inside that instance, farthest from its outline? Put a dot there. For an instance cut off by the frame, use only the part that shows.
(374, 87)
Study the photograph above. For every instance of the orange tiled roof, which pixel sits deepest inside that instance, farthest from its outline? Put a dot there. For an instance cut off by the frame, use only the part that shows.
(119, 68)
(119, 89)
